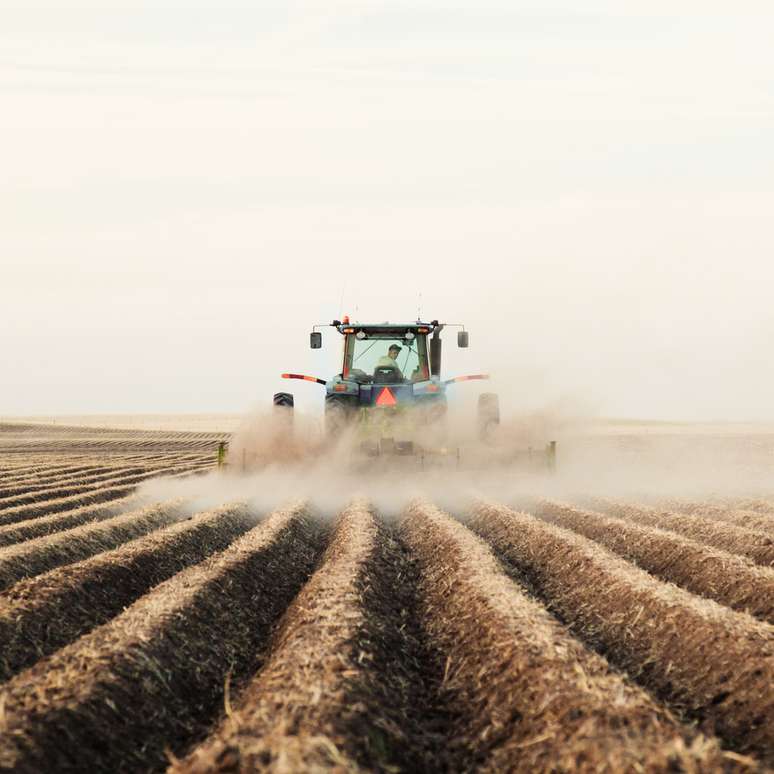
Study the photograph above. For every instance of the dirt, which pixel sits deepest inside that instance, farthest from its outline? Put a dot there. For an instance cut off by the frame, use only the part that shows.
(226, 625)
(709, 572)
(659, 633)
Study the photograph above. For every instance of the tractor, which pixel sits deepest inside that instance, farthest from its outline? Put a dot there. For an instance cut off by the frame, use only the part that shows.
(390, 396)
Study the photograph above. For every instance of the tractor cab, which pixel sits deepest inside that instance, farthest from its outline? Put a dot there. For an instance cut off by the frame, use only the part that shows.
(388, 364)
(386, 355)
(387, 369)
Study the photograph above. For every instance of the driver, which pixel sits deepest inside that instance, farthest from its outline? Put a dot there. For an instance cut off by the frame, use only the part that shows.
(390, 360)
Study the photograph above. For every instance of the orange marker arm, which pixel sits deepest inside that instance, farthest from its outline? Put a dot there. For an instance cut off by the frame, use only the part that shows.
(469, 378)
(305, 378)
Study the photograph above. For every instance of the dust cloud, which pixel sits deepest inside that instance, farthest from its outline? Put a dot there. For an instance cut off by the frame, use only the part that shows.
(275, 458)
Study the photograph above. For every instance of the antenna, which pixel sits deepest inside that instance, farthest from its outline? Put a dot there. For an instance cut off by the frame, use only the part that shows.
(341, 303)
(419, 307)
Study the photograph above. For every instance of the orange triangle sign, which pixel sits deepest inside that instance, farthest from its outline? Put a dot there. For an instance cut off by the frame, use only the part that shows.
(386, 398)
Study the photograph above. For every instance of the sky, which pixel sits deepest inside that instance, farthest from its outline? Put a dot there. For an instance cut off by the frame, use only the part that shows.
(187, 187)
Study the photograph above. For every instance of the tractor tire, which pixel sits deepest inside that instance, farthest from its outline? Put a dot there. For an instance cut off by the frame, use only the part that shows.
(283, 410)
(488, 414)
(284, 399)
(338, 413)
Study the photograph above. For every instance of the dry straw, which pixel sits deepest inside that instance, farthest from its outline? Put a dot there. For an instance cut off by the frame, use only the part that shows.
(36, 483)
(41, 614)
(336, 692)
(757, 546)
(74, 485)
(34, 510)
(754, 504)
(715, 664)
(152, 679)
(51, 472)
(92, 496)
(761, 522)
(57, 522)
(729, 579)
(533, 698)
(42, 554)
(46, 470)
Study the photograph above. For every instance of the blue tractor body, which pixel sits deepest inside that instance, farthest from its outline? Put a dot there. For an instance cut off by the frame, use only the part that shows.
(390, 392)
(389, 396)
(389, 385)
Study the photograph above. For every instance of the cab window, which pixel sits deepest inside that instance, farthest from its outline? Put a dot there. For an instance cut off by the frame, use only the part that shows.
(365, 356)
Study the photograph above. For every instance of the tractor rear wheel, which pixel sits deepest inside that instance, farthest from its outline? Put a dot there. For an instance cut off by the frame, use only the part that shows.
(338, 412)
(488, 414)
(283, 410)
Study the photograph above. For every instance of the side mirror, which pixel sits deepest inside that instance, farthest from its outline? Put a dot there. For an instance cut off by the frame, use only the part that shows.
(315, 340)
(462, 339)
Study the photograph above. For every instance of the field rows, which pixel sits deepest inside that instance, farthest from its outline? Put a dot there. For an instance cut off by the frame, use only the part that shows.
(756, 545)
(47, 469)
(30, 448)
(593, 635)
(760, 519)
(35, 482)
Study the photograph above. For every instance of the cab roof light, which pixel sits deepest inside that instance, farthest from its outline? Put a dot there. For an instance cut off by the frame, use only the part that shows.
(349, 330)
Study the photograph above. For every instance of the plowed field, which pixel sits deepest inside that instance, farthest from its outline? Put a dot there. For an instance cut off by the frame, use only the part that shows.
(141, 632)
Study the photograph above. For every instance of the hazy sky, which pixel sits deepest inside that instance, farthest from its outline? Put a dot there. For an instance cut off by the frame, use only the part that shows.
(186, 187)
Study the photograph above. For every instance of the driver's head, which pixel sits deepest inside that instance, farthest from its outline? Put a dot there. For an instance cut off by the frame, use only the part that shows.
(393, 351)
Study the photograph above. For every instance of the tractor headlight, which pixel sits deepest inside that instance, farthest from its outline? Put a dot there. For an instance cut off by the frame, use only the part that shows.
(409, 336)
(360, 335)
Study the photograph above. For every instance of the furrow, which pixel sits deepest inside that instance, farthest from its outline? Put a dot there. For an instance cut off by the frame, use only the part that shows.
(755, 504)
(113, 445)
(342, 688)
(102, 473)
(41, 614)
(52, 474)
(33, 510)
(151, 681)
(755, 520)
(60, 464)
(709, 572)
(20, 531)
(48, 477)
(68, 465)
(71, 489)
(757, 546)
(45, 553)
(532, 698)
(714, 664)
